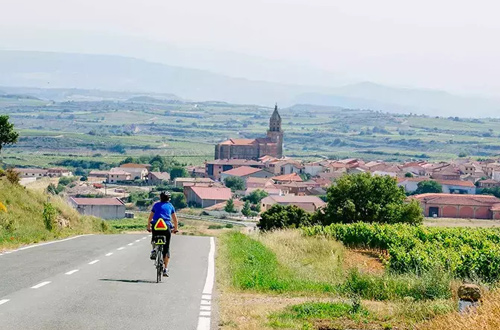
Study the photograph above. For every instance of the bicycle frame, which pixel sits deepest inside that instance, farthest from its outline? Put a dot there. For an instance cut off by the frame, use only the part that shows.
(159, 241)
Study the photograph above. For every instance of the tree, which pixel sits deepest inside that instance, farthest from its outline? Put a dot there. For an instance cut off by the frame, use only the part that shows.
(179, 201)
(427, 187)
(256, 196)
(495, 191)
(235, 183)
(408, 175)
(363, 197)
(246, 209)
(178, 172)
(7, 133)
(229, 208)
(280, 216)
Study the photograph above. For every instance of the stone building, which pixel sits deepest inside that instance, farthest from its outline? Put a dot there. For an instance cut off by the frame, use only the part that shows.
(271, 145)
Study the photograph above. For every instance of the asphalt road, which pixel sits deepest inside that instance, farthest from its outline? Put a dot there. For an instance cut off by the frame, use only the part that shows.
(107, 282)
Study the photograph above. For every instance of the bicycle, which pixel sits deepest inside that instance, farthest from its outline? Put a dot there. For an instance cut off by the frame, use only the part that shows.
(159, 241)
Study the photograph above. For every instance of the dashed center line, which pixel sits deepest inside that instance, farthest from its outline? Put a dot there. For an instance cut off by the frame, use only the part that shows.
(93, 262)
(137, 240)
(129, 244)
(121, 248)
(3, 301)
(108, 254)
(40, 285)
(72, 272)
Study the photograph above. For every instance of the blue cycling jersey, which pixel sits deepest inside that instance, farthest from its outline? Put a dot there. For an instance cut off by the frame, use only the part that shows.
(163, 210)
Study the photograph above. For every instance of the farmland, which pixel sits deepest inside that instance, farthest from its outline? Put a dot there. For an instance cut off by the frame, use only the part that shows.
(106, 130)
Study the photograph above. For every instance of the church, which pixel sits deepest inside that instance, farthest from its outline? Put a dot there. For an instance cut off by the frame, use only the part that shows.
(272, 145)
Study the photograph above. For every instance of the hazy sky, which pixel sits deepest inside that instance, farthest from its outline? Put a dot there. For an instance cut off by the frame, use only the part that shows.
(447, 44)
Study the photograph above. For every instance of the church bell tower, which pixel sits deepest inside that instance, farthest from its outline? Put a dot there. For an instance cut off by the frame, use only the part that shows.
(275, 133)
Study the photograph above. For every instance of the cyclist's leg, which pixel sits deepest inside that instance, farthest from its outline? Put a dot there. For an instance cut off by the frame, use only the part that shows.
(166, 247)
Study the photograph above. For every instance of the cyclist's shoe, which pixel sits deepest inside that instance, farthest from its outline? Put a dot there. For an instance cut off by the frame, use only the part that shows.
(165, 272)
(153, 255)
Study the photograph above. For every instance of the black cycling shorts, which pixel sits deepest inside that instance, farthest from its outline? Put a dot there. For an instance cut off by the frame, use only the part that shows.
(167, 233)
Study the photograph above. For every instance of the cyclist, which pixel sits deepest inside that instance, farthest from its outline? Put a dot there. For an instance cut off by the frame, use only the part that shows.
(163, 210)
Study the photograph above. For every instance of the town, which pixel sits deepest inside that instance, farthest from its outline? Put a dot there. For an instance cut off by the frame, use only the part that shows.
(256, 170)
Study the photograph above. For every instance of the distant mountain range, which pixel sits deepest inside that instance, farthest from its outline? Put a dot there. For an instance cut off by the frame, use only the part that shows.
(129, 77)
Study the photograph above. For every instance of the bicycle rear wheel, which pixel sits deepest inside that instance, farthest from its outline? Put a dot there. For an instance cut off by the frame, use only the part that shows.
(159, 264)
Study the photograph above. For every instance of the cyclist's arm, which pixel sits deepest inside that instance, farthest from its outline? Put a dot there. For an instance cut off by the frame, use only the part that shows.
(149, 220)
(176, 223)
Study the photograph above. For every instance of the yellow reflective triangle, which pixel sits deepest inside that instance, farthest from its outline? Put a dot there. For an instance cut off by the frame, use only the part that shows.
(160, 225)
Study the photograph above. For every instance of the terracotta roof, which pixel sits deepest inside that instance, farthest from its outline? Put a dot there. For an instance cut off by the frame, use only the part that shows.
(239, 142)
(292, 199)
(495, 207)
(238, 204)
(242, 171)
(98, 201)
(457, 199)
(31, 170)
(288, 177)
(456, 183)
(259, 183)
(235, 162)
(489, 181)
(118, 172)
(207, 180)
(132, 165)
(212, 193)
(160, 175)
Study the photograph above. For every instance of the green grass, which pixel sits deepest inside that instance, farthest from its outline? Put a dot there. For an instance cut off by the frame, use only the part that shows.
(251, 265)
(23, 223)
(304, 315)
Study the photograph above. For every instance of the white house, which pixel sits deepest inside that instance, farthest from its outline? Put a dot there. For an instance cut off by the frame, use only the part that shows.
(105, 208)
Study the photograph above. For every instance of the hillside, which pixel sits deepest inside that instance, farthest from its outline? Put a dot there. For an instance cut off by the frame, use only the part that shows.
(23, 223)
(59, 71)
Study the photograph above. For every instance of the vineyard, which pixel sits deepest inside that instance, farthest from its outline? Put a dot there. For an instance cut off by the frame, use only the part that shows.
(465, 253)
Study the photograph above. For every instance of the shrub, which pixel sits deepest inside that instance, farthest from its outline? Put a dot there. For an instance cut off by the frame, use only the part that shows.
(279, 216)
(363, 197)
(49, 216)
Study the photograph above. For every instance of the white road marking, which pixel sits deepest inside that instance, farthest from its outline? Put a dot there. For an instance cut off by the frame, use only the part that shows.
(108, 254)
(129, 244)
(42, 244)
(205, 302)
(72, 272)
(40, 285)
(205, 311)
(3, 301)
(209, 283)
(121, 248)
(137, 240)
(93, 262)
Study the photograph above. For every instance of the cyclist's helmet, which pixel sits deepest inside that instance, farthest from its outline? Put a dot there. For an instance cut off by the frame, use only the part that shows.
(165, 196)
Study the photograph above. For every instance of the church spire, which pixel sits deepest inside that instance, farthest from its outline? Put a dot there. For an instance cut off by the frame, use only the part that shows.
(275, 121)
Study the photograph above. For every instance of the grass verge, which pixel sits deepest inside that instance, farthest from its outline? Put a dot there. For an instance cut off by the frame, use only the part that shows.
(25, 221)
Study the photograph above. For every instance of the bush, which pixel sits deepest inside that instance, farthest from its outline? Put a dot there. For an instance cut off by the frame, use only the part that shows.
(363, 197)
(49, 216)
(279, 216)
(13, 176)
(235, 183)
(215, 227)
(179, 201)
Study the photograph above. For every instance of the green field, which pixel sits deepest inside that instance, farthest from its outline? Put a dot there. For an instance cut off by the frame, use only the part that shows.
(189, 131)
